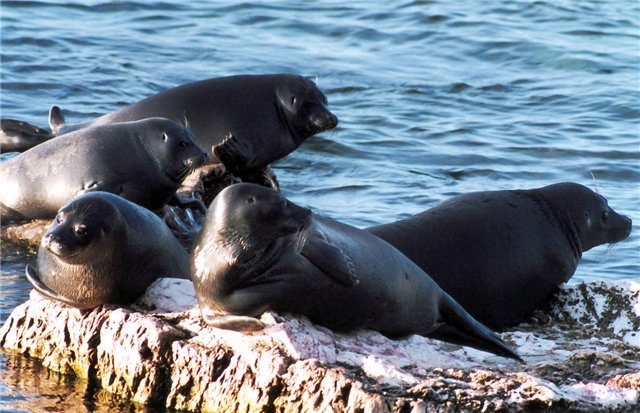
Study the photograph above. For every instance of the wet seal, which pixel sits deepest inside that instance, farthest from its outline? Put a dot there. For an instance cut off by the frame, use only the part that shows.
(258, 251)
(501, 254)
(103, 249)
(143, 161)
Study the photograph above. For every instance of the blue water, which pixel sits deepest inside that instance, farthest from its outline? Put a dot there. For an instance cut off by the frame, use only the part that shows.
(435, 98)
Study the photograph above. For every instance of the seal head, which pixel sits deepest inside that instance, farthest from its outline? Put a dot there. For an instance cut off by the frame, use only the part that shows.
(76, 249)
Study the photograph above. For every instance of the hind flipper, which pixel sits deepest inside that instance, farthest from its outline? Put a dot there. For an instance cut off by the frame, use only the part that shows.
(32, 276)
(461, 328)
(18, 136)
(56, 119)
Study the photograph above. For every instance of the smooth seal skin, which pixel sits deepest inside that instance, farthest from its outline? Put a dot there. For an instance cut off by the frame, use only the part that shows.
(144, 162)
(245, 121)
(259, 252)
(18, 136)
(103, 249)
(501, 254)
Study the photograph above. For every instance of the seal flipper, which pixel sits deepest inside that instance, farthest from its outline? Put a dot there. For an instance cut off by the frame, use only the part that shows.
(56, 119)
(461, 328)
(18, 136)
(184, 202)
(32, 277)
(330, 260)
(233, 153)
(263, 176)
(232, 322)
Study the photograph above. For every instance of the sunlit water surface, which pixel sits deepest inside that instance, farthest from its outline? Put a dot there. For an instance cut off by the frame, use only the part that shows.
(435, 99)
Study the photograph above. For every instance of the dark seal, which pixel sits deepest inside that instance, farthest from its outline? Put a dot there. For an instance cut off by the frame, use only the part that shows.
(244, 121)
(18, 136)
(103, 249)
(258, 252)
(501, 254)
(144, 162)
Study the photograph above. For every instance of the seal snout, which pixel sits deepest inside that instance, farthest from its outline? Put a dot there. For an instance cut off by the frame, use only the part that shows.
(52, 243)
(298, 218)
(623, 231)
(324, 120)
(195, 161)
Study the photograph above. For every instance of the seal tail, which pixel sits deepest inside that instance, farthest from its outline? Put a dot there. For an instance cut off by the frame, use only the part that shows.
(18, 136)
(465, 330)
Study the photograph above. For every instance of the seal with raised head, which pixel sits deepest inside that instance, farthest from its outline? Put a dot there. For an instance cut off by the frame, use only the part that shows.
(258, 252)
(245, 121)
(103, 249)
(501, 254)
(143, 161)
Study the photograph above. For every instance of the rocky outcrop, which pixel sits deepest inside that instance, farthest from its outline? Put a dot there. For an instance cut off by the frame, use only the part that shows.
(581, 353)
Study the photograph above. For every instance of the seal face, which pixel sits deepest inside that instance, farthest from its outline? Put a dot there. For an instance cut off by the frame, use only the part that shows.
(258, 251)
(17, 136)
(144, 161)
(245, 121)
(103, 249)
(501, 254)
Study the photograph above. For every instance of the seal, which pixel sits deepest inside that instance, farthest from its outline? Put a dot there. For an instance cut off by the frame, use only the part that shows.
(103, 249)
(258, 251)
(501, 254)
(245, 121)
(143, 161)
(18, 136)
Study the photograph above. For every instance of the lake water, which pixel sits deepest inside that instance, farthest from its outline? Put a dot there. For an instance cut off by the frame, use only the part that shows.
(435, 99)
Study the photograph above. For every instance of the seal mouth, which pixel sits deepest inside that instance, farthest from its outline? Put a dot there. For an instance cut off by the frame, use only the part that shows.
(188, 166)
(58, 249)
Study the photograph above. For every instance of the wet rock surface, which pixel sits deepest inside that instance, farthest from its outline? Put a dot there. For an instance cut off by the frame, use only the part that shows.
(582, 354)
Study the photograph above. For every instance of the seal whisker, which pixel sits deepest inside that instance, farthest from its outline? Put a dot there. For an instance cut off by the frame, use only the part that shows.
(596, 183)
(610, 250)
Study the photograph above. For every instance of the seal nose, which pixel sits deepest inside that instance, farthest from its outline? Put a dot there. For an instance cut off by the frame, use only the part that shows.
(629, 224)
(326, 120)
(195, 161)
(52, 243)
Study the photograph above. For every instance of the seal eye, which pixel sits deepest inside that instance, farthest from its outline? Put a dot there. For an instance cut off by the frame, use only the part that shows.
(251, 200)
(80, 230)
(605, 216)
(164, 137)
(293, 100)
(59, 219)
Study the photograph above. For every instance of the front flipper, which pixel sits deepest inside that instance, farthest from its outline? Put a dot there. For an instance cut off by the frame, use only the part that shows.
(94, 186)
(234, 322)
(32, 277)
(263, 176)
(330, 260)
(18, 136)
(233, 153)
(184, 202)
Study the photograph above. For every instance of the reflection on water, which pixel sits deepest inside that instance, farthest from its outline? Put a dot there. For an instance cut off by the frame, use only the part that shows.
(28, 386)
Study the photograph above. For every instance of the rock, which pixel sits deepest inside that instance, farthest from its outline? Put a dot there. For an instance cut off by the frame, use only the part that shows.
(159, 352)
